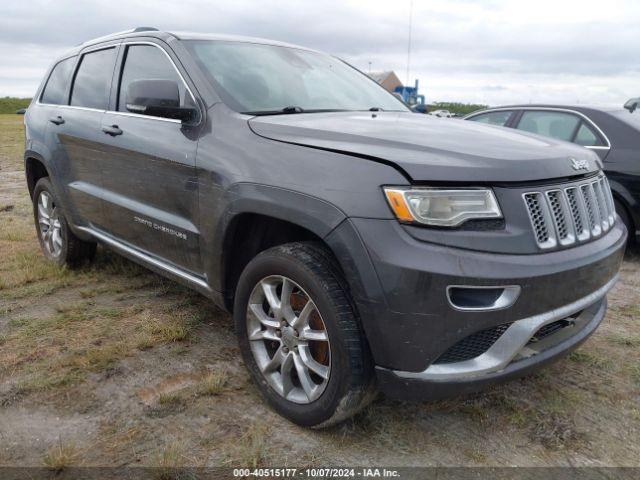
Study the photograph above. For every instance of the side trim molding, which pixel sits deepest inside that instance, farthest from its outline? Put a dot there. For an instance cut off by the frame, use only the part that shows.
(147, 259)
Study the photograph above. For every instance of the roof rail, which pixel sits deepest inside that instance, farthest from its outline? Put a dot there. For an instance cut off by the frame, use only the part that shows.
(132, 30)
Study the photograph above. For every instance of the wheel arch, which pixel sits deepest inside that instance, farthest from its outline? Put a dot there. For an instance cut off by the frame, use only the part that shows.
(260, 217)
(35, 168)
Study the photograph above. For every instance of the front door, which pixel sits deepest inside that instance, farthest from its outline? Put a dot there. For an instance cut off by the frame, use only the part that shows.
(151, 189)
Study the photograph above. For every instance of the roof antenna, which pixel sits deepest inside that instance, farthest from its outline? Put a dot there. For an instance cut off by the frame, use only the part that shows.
(409, 43)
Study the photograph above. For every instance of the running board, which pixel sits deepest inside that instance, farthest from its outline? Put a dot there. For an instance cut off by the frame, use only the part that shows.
(147, 259)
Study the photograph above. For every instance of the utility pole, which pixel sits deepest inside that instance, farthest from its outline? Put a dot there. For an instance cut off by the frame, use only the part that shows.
(409, 42)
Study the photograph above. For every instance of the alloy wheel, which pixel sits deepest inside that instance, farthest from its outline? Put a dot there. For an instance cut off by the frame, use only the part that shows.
(49, 223)
(288, 339)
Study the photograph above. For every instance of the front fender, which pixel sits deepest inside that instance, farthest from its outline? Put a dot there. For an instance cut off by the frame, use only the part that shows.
(311, 213)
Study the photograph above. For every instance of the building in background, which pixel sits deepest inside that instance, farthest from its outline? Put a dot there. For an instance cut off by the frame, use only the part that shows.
(388, 80)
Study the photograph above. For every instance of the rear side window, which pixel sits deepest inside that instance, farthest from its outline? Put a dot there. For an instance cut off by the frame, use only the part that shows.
(493, 118)
(56, 87)
(558, 125)
(146, 62)
(93, 79)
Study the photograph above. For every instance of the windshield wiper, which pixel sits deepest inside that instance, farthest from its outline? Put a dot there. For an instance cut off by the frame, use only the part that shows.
(293, 109)
(285, 110)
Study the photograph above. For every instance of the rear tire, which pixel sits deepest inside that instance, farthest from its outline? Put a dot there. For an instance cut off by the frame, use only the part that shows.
(344, 382)
(58, 243)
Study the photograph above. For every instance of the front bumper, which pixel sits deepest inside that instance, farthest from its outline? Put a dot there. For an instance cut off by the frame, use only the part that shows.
(400, 287)
(498, 363)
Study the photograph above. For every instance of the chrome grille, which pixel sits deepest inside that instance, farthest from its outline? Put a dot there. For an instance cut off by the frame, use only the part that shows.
(564, 216)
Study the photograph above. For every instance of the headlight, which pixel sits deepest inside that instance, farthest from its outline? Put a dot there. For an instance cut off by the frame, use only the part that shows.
(442, 207)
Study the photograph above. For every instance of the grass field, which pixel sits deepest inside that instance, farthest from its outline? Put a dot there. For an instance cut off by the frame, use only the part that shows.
(9, 105)
(113, 365)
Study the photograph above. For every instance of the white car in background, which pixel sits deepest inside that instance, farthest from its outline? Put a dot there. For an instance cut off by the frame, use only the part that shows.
(442, 113)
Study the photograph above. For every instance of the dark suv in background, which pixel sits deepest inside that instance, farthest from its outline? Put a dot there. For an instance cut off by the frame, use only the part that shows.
(612, 132)
(358, 245)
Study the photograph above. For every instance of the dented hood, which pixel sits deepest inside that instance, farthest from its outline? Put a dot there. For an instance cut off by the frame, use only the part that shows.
(428, 148)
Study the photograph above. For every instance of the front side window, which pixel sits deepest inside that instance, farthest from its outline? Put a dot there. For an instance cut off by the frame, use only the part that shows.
(56, 87)
(493, 118)
(146, 62)
(263, 79)
(93, 79)
(560, 125)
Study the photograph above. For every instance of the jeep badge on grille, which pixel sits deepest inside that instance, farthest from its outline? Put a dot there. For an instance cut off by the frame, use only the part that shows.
(579, 164)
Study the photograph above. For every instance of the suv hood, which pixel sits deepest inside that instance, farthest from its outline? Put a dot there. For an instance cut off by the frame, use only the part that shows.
(428, 148)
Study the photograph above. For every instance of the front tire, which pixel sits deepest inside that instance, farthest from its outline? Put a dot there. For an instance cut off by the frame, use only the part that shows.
(57, 241)
(300, 336)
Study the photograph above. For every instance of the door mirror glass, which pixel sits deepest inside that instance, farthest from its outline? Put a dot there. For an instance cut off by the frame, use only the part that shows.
(158, 98)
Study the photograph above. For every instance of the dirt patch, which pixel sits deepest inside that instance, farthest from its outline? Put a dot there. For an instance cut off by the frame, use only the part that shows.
(113, 365)
(153, 394)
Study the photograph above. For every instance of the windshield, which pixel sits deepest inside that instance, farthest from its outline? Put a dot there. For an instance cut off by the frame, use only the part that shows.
(256, 78)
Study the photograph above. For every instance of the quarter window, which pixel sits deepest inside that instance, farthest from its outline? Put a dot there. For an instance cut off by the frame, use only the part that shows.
(587, 137)
(146, 62)
(56, 87)
(93, 79)
(558, 125)
(493, 118)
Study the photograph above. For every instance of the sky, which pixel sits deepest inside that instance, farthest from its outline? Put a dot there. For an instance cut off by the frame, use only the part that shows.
(491, 52)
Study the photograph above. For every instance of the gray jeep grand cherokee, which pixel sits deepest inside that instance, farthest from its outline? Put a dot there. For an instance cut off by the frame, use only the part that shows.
(359, 246)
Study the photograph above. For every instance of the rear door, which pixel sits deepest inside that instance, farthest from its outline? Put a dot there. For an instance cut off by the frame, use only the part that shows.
(151, 189)
(75, 130)
(564, 125)
(45, 118)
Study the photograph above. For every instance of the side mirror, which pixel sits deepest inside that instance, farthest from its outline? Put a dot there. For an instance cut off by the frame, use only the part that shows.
(159, 98)
(632, 104)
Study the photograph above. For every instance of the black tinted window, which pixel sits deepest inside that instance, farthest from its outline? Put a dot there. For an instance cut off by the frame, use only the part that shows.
(93, 79)
(493, 118)
(146, 62)
(58, 81)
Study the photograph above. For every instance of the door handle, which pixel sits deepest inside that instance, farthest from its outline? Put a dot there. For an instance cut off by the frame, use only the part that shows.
(57, 120)
(112, 130)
